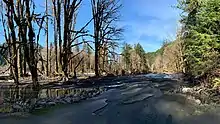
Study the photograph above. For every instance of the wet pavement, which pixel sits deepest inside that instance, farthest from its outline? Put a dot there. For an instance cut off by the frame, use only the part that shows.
(137, 102)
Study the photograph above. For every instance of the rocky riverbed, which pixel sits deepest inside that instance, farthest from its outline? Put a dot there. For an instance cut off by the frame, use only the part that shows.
(29, 105)
(137, 99)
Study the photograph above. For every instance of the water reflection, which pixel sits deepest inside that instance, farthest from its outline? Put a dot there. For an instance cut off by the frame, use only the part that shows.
(12, 94)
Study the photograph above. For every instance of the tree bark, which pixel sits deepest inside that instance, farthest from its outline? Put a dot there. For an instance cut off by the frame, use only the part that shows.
(59, 31)
(13, 42)
(96, 60)
(51, 48)
(32, 62)
(55, 40)
(47, 59)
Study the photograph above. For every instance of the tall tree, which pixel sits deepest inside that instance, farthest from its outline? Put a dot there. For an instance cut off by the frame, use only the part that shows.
(24, 27)
(89, 55)
(13, 40)
(70, 34)
(55, 14)
(201, 42)
(59, 30)
(57, 4)
(141, 53)
(70, 9)
(105, 13)
(50, 62)
(126, 53)
(47, 44)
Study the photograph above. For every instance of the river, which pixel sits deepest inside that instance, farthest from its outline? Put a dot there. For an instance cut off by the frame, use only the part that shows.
(144, 100)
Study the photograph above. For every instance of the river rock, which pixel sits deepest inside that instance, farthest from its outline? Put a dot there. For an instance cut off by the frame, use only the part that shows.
(57, 101)
(38, 108)
(33, 101)
(89, 94)
(76, 99)
(95, 94)
(187, 90)
(16, 106)
(83, 97)
(41, 103)
(51, 103)
(197, 101)
(68, 100)
(10, 81)
(62, 101)
(20, 114)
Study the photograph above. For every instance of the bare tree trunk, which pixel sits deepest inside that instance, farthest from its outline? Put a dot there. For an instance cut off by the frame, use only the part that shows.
(22, 34)
(24, 65)
(13, 43)
(59, 30)
(20, 59)
(83, 66)
(65, 41)
(96, 60)
(105, 13)
(32, 62)
(47, 59)
(51, 48)
(55, 39)
(19, 37)
(75, 68)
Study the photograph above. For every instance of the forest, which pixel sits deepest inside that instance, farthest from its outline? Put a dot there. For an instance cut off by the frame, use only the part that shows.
(194, 52)
(72, 50)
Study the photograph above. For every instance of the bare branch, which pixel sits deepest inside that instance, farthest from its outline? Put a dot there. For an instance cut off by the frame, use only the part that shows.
(75, 55)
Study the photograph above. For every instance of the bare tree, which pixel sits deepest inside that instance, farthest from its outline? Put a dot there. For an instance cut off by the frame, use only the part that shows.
(69, 12)
(55, 14)
(59, 30)
(47, 44)
(70, 9)
(105, 13)
(11, 38)
(24, 16)
(50, 60)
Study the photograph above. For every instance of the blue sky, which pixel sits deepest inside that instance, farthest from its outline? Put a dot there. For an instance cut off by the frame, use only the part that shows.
(148, 22)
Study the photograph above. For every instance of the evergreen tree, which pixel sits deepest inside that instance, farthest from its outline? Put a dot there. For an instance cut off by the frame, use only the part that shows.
(203, 35)
(141, 53)
(126, 53)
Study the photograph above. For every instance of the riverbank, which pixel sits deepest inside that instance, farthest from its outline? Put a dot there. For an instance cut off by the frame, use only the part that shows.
(151, 99)
(203, 94)
(56, 95)
(31, 105)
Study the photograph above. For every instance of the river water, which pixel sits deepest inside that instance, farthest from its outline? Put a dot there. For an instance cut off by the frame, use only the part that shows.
(141, 101)
(12, 94)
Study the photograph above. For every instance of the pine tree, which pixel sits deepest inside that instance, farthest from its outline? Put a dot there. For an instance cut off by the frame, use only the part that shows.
(141, 53)
(201, 43)
(126, 53)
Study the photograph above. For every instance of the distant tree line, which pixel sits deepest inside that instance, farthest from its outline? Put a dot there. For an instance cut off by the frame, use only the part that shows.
(134, 59)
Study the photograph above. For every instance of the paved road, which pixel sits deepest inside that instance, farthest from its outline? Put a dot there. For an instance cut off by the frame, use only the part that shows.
(141, 102)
